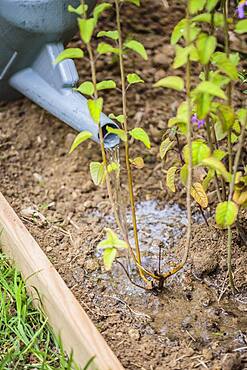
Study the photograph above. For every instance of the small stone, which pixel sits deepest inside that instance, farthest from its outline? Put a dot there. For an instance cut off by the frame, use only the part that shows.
(162, 59)
(91, 265)
(37, 177)
(87, 187)
(48, 249)
(134, 334)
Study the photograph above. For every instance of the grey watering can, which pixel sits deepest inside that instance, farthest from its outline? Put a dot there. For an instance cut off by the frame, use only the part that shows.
(32, 34)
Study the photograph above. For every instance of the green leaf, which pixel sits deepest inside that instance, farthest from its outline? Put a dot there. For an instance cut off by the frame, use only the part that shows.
(184, 174)
(225, 64)
(200, 151)
(99, 9)
(208, 179)
(117, 131)
(218, 166)
(139, 134)
(109, 256)
(133, 78)
(210, 88)
(171, 82)
(104, 48)
(181, 57)
(135, 2)
(226, 116)
(112, 241)
(110, 34)
(80, 10)
(113, 166)
(205, 46)
(80, 138)
(170, 178)
(196, 6)
(219, 154)
(165, 146)
(203, 105)
(97, 171)
(241, 26)
(226, 213)
(211, 4)
(86, 27)
(220, 134)
(137, 47)
(95, 108)
(86, 88)
(207, 17)
(69, 53)
(107, 84)
(119, 118)
(242, 116)
(178, 31)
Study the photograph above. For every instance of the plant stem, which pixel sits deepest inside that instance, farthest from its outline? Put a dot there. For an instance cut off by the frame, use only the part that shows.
(229, 258)
(229, 86)
(189, 143)
(125, 127)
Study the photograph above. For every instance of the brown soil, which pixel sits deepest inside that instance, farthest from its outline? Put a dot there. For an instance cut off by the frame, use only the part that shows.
(195, 323)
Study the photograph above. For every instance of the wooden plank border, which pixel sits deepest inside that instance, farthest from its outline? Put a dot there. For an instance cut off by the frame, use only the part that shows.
(65, 314)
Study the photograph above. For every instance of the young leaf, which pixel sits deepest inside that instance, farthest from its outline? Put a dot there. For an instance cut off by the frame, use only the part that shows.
(135, 2)
(117, 131)
(200, 151)
(170, 178)
(210, 88)
(137, 47)
(219, 154)
(107, 84)
(99, 9)
(69, 53)
(133, 78)
(211, 4)
(119, 118)
(86, 88)
(184, 174)
(218, 166)
(198, 193)
(225, 64)
(226, 116)
(171, 82)
(241, 26)
(86, 27)
(113, 166)
(97, 171)
(80, 10)
(181, 57)
(178, 31)
(139, 134)
(205, 46)
(208, 179)
(137, 162)
(165, 146)
(109, 256)
(95, 108)
(104, 48)
(226, 213)
(112, 241)
(82, 136)
(196, 6)
(110, 34)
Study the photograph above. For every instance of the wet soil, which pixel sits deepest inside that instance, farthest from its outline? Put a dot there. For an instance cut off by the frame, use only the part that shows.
(195, 323)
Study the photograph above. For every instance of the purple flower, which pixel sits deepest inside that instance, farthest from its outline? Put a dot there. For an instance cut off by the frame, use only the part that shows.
(240, 9)
(199, 122)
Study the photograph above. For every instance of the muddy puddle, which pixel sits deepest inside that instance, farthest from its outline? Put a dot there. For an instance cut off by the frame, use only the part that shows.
(187, 306)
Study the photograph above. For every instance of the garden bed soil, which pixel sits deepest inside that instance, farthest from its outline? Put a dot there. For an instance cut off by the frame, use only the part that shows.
(195, 323)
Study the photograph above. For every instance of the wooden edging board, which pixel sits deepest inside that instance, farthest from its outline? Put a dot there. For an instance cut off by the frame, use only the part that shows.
(65, 314)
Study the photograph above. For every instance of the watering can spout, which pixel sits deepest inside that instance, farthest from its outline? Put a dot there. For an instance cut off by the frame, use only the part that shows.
(52, 85)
